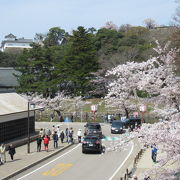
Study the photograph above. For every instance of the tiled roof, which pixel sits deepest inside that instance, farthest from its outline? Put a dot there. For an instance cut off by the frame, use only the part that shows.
(10, 36)
(7, 78)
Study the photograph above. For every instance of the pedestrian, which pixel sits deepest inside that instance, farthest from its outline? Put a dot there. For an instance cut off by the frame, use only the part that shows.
(71, 132)
(2, 154)
(41, 133)
(67, 134)
(46, 142)
(154, 153)
(47, 132)
(62, 136)
(12, 151)
(58, 131)
(79, 134)
(51, 116)
(39, 142)
(55, 138)
(134, 177)
(53, 130)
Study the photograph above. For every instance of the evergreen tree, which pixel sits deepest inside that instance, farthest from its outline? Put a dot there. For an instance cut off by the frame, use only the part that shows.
(79, 61)
(36, 66)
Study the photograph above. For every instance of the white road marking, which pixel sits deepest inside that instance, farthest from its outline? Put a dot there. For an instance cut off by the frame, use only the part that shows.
(48, 163)
(122, 162)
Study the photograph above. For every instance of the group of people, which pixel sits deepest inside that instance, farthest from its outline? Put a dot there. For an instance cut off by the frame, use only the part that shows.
(11, 150)
(45, 135)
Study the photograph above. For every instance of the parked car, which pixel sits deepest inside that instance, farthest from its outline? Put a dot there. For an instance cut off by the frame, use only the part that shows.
(91, 143)
(132, 121)
(117, 127)
(93, 128)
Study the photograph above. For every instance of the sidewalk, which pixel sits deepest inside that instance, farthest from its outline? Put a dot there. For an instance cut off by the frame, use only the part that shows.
(23, 160)
(145, 163)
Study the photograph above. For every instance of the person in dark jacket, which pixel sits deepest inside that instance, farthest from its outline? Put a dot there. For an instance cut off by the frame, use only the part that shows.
(39, 141)
(67, 134)
(71, 132)
(154, 153)
(55, 138)
(12, 151)
(62, 136)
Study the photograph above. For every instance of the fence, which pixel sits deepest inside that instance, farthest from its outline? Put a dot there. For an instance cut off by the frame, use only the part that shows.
(86, 116)
(74, 117)
(128, 174)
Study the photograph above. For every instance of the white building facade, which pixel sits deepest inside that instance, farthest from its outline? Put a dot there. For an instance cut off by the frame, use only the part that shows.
(11, 42)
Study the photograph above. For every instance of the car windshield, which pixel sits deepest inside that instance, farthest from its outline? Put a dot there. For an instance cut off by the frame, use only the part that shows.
(117, 124)
(92, 139)
(94, 127)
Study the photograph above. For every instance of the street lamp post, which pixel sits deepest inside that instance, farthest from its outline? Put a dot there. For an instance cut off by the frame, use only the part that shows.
(28, 125)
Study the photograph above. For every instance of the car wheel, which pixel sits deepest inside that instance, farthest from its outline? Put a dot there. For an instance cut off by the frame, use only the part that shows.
(83, 151)
(100, 151)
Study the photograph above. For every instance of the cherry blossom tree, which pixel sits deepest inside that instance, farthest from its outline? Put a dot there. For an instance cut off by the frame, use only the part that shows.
(58, 104)
(110, 25)
(150, 23)
(156, 77)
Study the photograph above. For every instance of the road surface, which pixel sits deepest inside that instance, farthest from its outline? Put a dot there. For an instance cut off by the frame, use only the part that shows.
(72, 164)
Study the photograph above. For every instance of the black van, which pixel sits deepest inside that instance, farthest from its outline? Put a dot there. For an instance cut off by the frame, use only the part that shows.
(93, 128)
(117, 127)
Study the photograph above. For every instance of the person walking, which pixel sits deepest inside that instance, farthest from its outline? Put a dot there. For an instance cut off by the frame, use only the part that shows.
(2, 154)
(71, 132)
(53, 130)
(39, 142)
(62, 136)
(52, 116)
(154, 153)
(58, 131)
(47, 132)
(79, 134)
(12, 151)
(55, 138)
(67, 134)
(46, 143)
(41, 133)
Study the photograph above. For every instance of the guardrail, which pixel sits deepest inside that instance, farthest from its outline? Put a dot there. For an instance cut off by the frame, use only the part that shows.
(129, 172)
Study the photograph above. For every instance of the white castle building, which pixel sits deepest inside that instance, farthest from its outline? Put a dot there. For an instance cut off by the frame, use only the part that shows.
(12, 42)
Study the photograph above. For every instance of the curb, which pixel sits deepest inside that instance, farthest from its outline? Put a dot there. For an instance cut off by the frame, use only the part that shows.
(128, 165)
(35, 163)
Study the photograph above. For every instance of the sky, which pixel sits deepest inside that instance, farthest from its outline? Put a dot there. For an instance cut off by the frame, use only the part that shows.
(25, 18)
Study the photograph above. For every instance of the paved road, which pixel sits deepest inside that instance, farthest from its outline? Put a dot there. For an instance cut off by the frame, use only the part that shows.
(73, 165)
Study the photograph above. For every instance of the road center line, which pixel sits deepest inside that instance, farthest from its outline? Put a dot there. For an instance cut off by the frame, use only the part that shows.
(132, 147)
(49, 162)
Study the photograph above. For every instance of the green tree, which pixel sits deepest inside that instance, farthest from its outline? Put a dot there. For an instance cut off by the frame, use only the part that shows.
(79, 61)
(36, 67)
(54, 37)
(8, 59)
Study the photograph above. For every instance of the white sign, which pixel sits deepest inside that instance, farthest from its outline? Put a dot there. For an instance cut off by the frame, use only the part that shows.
(123, 118)
(142, 108)
(94, 108)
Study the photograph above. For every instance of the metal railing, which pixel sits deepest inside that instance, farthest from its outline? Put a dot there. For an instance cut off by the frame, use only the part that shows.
(129, 172)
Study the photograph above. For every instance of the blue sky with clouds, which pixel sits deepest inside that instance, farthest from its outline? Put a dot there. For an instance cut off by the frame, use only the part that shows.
(24, 18)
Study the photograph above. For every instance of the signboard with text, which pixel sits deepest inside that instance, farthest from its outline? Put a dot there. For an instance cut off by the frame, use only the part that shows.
(142, 108)
(94, 108)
